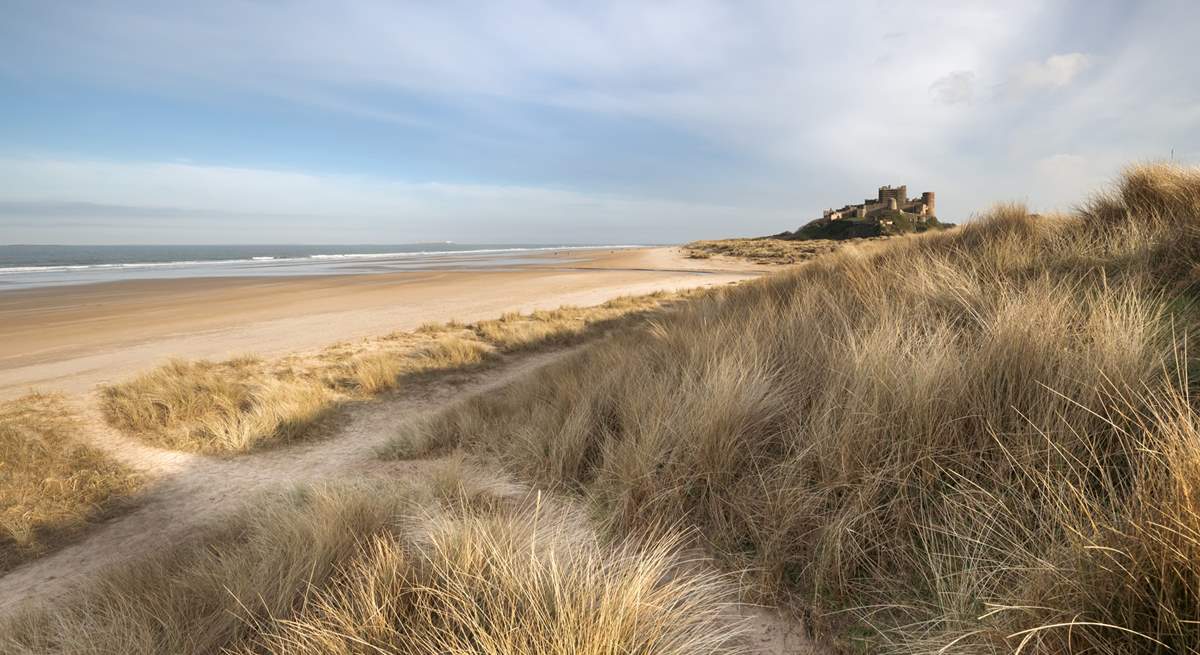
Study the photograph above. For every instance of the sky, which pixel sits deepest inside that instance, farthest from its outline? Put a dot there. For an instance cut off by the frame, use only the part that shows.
(280, 121)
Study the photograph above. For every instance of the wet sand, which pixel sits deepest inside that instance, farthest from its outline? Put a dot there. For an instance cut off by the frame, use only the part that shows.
(72, 338)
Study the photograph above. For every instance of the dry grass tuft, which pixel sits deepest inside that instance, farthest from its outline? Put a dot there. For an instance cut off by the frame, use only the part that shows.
(247, 403)
(566, 325)
(767, 250)
(231, 406)
(51, 486)
(974, 441)
(373, 371)
(394, 568)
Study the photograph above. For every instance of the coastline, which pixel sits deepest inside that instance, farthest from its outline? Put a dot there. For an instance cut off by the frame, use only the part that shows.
(32, 267)
(71, 338)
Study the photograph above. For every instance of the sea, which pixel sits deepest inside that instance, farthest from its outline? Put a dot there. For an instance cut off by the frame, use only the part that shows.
(31, 266)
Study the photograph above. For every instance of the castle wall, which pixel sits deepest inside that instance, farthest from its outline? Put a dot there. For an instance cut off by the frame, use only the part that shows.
(889, 200)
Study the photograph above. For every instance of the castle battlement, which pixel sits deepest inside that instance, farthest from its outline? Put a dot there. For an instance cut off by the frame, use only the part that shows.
(883, 208)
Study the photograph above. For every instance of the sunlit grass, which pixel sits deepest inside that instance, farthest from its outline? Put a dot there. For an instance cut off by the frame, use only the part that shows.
(247, 403)
(767, 250)
(51, 485)
(443, 564)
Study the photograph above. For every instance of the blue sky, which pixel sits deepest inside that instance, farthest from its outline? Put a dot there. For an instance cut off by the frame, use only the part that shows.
(388, 122)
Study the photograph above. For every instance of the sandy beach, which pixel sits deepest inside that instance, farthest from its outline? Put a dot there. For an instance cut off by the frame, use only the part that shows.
(72, 338)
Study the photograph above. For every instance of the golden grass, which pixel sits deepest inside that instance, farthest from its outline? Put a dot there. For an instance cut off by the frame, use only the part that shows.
(247, 403)
(566, 325)
(51, 486)
(767, 250)
(441, 566)
(230, 406)
(976, 441)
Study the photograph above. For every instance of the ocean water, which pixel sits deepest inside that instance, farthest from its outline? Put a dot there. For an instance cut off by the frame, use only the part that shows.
(30, 266)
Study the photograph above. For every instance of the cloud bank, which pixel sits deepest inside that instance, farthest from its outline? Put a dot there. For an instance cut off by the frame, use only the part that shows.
(174, 202)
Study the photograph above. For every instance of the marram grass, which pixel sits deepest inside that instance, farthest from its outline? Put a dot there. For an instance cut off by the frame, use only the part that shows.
(977, 441)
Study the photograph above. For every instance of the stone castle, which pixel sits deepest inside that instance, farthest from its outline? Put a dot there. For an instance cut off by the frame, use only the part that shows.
(892, 203)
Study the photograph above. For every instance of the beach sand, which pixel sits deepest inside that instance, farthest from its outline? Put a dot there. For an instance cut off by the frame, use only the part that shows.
(72, 338)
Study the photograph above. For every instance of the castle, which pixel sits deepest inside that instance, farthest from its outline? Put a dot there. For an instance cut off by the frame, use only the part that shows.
(892, 203)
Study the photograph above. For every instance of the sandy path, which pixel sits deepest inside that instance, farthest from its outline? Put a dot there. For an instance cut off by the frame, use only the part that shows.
(70, 339)
(191, 491)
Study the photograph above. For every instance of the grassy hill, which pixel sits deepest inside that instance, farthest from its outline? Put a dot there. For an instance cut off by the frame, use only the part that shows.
(972, 441)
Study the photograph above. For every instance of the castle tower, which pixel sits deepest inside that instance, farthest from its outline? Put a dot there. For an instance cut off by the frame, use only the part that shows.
(928, 199)
(892, 204)
(899, 193)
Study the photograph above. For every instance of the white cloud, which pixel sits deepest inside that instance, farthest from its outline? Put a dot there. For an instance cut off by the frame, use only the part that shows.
(1055, 72)
(954, 88)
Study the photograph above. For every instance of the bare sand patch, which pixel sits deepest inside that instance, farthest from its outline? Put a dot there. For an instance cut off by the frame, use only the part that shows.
(73, 338)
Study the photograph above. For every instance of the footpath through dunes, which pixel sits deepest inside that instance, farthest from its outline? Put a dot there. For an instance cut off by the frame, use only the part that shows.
(190, 492)
(212, 555)
(72, 338)
(193, 569)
